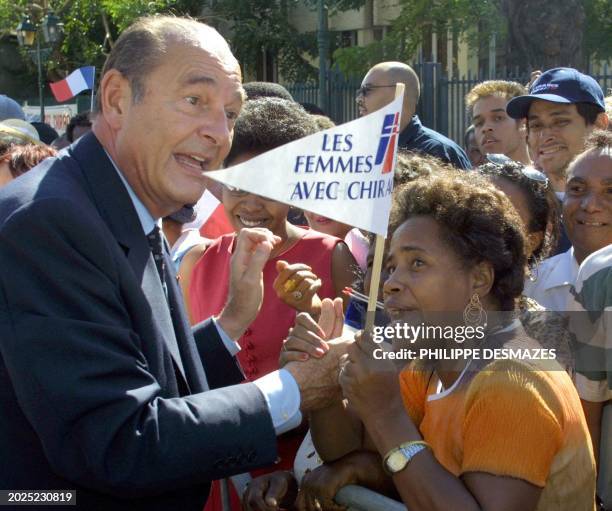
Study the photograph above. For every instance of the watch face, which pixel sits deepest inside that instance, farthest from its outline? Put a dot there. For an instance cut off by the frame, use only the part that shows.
(396, 462)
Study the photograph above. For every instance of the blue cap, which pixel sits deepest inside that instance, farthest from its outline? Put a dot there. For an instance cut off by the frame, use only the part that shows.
(10, 109)
(559, 85)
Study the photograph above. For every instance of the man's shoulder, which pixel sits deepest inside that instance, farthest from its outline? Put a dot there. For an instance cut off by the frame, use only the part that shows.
(549, 264)
(434, 143)
(594, 282)
(53, 181)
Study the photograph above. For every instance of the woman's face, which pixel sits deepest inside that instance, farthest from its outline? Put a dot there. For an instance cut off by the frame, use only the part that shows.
(327, 225)
(250, 210)
(520, 202)
(425, 275)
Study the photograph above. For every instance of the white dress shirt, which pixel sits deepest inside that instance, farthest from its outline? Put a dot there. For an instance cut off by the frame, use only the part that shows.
(555, 277)
(279, 388)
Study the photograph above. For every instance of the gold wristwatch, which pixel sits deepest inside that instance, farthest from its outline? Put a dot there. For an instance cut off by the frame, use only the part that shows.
(398, 458)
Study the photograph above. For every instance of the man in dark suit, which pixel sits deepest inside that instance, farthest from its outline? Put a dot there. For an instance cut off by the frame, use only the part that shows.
(103, 388)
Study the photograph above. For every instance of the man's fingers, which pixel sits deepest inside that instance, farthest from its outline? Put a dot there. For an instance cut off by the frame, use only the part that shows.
(258, 260)
(253, 236)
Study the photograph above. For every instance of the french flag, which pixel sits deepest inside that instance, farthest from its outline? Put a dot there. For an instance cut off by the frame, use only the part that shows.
(77, 81)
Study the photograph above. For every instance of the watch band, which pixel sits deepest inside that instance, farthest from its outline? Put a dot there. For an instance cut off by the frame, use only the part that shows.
(398, 458)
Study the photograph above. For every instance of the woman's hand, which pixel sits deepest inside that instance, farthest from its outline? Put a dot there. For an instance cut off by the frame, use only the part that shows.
(297, 286)
(323, 483)
(370, 385)
(270, 492)
(308, 338)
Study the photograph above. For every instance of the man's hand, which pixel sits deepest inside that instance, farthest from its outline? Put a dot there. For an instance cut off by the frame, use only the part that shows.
(317, 378)
(253, 248)
(270, 492)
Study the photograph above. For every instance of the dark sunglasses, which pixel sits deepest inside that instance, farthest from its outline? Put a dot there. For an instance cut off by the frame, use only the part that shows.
(501, 160)
(364, 90)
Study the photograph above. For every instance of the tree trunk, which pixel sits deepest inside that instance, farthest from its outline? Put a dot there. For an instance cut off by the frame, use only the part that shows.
(544, 34)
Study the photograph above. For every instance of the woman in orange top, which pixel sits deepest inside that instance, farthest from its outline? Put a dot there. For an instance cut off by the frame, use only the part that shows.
(460, 433)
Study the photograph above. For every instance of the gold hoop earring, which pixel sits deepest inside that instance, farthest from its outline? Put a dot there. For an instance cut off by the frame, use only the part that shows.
(474, 313)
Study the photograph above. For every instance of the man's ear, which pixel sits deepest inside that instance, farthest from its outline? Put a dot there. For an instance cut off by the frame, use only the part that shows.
(483, 276)
(602, 121)
(116, 96)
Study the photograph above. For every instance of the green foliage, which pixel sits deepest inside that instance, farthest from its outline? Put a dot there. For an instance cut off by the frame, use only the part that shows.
(85, 38)
(415, 18)
(262, 25)
(258, 26)
(598, 33)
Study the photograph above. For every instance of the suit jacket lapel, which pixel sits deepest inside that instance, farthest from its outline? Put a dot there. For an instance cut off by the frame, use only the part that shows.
(117, 209)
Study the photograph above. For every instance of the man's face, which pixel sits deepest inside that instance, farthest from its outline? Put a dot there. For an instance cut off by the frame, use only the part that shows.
(556, 135)
(587, 207)
(378, 92)
(496, 132)
(182, 126)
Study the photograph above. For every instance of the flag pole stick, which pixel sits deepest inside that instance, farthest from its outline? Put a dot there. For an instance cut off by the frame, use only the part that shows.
(93, 88)
(379, 249)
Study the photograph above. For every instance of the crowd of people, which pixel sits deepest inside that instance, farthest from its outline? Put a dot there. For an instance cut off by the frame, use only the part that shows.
(147, 365)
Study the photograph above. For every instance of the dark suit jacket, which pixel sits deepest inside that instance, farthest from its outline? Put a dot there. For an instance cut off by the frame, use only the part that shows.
(103, 388)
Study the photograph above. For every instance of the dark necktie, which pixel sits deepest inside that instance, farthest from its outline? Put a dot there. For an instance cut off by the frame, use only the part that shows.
(157, 249)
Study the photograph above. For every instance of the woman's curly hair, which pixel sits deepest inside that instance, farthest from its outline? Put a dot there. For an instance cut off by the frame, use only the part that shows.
(541, 201)
(478, 221)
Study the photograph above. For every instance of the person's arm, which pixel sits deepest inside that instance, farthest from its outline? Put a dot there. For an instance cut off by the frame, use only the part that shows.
(593, 412)
(184, 274)
(425, 485)
(343, 271)
(361, 468)
(69, 303)
(500, 405)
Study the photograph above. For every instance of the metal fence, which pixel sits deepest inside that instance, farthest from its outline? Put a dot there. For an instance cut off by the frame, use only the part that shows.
(358, 498)
(341, 96)
(442, 105)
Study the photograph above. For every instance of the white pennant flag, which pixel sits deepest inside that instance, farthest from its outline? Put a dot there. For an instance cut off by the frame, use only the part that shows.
(344, 173)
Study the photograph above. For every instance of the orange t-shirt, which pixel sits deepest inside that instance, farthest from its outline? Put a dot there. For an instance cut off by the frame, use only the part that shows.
(509, 419)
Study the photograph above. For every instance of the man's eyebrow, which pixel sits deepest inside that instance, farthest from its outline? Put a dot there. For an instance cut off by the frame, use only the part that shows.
(495, 110)
(207, 80)
(197, 79)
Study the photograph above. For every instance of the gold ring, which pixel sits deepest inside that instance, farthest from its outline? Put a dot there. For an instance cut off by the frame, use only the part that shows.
(289, 285)
(297, 295)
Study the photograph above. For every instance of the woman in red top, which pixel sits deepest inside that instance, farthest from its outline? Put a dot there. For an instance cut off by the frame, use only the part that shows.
(303, 268)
